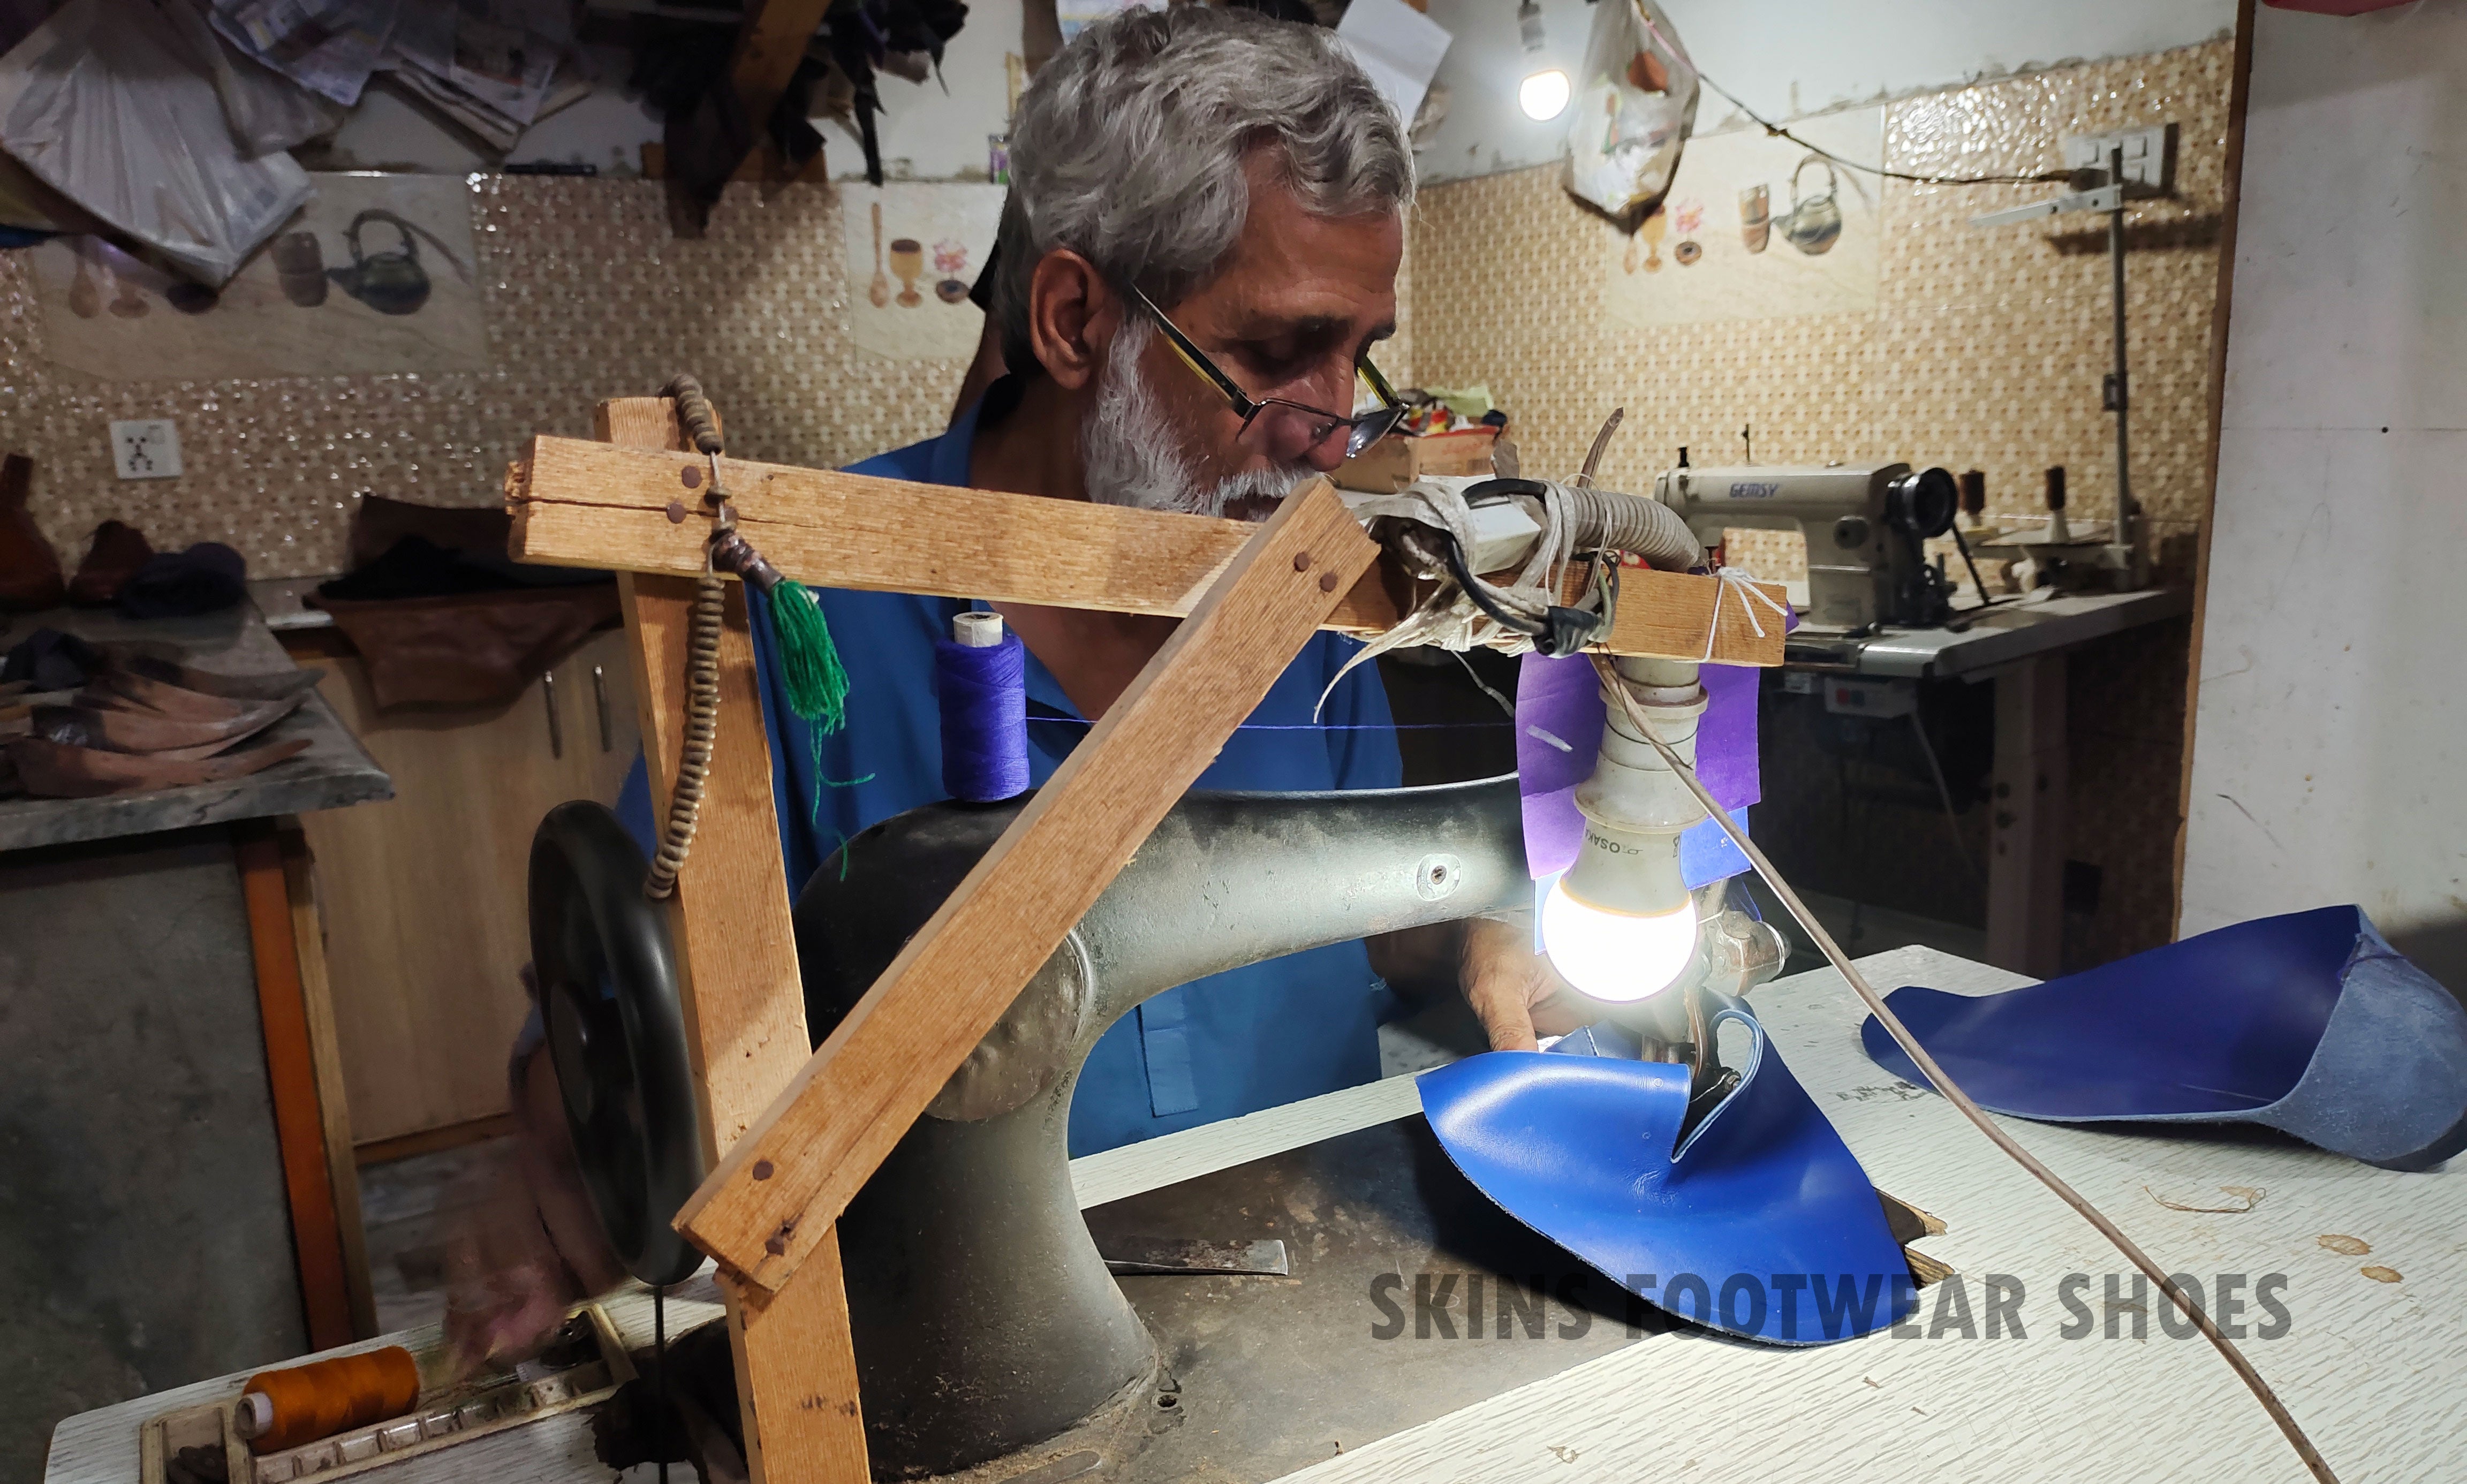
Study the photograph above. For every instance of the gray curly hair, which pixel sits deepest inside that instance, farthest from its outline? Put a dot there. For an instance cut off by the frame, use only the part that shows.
(1128, 148)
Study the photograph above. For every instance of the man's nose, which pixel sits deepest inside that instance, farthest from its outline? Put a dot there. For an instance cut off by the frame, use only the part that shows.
(1328, 452)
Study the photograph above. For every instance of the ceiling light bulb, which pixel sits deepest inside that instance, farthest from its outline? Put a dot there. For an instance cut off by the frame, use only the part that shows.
(1618, 957)
(1543, 96)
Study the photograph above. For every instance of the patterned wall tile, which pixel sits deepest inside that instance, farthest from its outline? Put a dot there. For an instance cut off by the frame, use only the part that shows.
(1985, 351)
(588, 296)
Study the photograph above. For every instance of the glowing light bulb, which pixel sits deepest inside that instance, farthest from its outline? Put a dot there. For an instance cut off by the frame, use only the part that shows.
(1617, 956)
(1543, 96)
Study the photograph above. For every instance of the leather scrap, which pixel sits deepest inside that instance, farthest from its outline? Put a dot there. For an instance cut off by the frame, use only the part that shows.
(49, 770)
(2309, 1023)
(475, 649)
(1761, 1204)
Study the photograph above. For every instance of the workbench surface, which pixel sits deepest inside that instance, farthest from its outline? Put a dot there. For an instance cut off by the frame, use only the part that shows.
(336, 770)
(2375, 1368)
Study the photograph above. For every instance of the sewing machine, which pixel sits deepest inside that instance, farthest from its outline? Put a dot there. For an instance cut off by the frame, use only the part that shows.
(987, 1325)
(1866, 527)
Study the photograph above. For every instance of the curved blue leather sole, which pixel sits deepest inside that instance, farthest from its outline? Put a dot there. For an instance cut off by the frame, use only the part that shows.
(1761, 1223)
(2307, 1023)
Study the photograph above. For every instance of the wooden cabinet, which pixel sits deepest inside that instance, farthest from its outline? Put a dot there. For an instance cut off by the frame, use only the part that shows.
(423, 896)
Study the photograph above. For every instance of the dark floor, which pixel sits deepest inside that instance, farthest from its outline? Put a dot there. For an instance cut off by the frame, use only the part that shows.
(410, 1207)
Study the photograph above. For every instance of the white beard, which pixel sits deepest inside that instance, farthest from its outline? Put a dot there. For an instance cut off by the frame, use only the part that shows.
(1133, 457)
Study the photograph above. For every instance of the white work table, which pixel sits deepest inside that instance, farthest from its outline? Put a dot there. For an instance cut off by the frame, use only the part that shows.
(2377, 1371)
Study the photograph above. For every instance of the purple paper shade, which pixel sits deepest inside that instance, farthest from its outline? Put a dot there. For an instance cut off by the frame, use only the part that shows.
(1559, 731)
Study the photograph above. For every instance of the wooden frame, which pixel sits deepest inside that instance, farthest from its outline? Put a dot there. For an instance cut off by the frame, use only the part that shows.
(579, 504)
(792, 1134)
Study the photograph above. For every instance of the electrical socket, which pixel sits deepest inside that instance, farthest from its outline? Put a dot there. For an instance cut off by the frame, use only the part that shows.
(146, 448)
(2149, 158)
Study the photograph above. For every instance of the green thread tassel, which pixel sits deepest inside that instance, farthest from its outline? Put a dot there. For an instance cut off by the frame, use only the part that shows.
(818, 686)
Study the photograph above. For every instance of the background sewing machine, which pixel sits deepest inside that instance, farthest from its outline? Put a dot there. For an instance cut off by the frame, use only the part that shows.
(1867, 525)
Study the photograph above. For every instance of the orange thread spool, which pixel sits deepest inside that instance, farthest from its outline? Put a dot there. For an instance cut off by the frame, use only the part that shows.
(326, 1396)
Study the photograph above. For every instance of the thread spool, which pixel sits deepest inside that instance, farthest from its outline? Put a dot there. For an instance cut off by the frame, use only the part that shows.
(280, 1410)
(981, 679)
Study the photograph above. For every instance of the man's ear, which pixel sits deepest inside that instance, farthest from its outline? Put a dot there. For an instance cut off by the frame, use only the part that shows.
(1073, 314)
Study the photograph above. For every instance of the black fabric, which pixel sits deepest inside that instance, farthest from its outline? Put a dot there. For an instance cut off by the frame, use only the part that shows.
(207, 577)
(52, 661)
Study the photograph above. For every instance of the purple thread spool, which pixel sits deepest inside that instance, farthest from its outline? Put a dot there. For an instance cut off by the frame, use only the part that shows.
(981, 679)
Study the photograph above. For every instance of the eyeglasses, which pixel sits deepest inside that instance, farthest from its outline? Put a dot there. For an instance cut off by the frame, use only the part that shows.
(1286, 429)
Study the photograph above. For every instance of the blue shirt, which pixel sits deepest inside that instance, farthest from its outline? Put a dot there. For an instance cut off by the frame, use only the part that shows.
(1215, 1048)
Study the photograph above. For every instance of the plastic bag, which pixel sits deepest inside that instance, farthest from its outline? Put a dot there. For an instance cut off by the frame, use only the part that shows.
(267, 110)
(1636, 102)
(103, 104)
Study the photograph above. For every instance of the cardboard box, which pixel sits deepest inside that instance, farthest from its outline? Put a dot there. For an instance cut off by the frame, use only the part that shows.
(1397, 460)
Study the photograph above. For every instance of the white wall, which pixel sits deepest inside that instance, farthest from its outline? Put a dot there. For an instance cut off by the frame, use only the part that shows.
(1789, 58)
(2332, 718)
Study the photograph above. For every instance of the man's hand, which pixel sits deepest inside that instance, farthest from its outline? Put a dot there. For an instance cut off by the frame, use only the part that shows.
(530, 1247)
(1513, 990)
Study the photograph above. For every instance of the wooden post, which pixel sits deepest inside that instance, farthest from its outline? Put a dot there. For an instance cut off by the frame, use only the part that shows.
(744, 1000)
(2025, 864)
(325, 1064)
(291, 1075)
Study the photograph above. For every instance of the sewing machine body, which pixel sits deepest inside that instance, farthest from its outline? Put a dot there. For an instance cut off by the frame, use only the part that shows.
(1864, 565)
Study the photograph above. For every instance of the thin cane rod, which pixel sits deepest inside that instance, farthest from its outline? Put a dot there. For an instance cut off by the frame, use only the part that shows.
(1615, 685)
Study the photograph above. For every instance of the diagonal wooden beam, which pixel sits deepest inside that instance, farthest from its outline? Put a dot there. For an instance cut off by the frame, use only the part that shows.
(586, 504)
(771, 1202)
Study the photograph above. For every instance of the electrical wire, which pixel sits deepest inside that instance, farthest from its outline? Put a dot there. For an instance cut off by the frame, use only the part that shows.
(1935, 771)
(2044, 177)
(1614, 685)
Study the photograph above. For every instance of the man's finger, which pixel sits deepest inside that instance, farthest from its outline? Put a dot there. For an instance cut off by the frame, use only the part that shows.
(1506, 1018)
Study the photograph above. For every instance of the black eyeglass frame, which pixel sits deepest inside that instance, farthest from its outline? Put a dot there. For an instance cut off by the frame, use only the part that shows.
(1364, 428)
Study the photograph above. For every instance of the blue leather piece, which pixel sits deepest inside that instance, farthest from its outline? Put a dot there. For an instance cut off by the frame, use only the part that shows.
(2309, 1023)
(1763, 1218)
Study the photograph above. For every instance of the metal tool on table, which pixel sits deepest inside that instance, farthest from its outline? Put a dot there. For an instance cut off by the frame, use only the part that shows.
(1129, 1256)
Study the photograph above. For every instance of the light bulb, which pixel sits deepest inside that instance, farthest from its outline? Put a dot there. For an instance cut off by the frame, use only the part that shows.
(1618, 957)
(1543, 96)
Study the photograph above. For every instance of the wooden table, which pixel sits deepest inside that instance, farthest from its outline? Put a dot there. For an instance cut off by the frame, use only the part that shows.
(2376, 1370)
(180, 1192)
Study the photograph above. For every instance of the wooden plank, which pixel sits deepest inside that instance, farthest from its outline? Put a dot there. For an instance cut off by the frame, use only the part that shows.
(326, 1065)
(744, 1000)
(429, 1141)
(290, 1071)
(578, 503)
(2025, 864)
(770, 43)
(772, 1199)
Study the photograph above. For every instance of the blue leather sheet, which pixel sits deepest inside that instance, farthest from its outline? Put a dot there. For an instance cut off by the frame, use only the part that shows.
(2308, 1022)
(1761, 1225)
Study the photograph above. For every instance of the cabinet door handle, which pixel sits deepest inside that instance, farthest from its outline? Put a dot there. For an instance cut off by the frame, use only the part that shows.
(555, 727)
(600, 697)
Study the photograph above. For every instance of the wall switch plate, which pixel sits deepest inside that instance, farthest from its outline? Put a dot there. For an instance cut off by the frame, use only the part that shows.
(2149, 157)
(146, 448)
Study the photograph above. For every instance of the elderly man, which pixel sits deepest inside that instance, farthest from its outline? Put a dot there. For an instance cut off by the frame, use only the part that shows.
(1199, 253)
